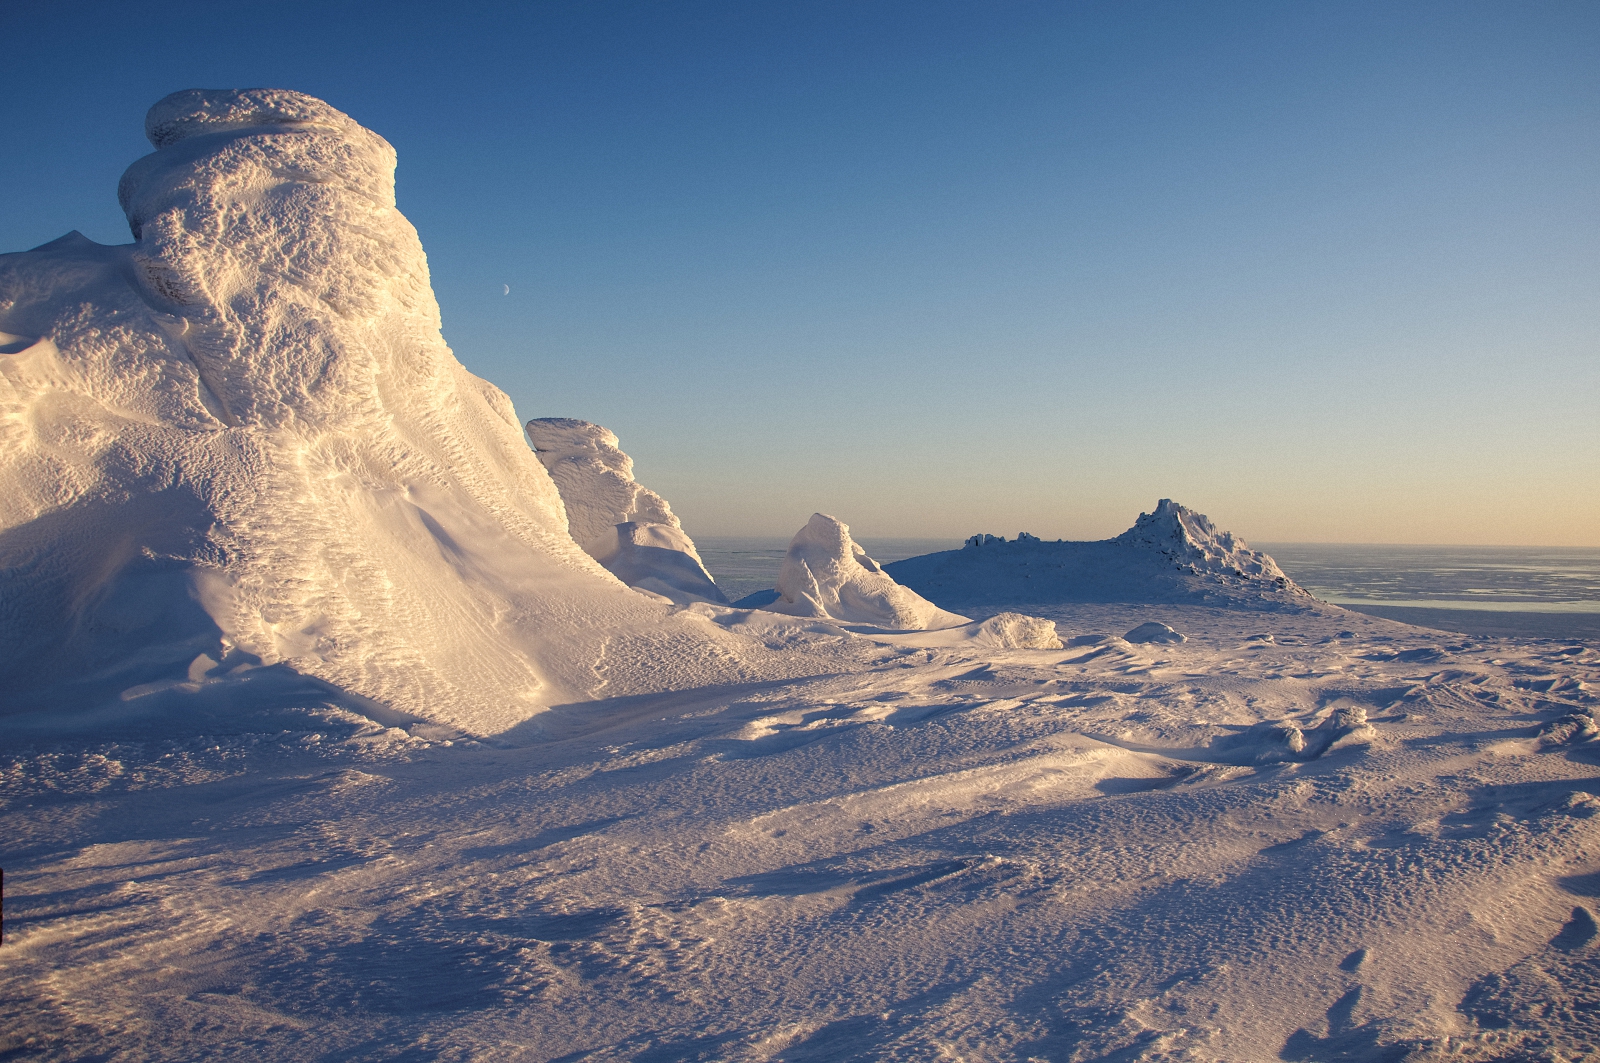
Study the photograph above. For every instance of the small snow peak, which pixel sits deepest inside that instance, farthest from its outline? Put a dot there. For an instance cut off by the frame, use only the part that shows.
(235, 153)
(595, 478)
(829, 533)
(192, 112)
(827, 574)
(1192, 542)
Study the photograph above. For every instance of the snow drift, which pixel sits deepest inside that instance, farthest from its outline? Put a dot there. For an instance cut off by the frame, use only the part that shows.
(827, 574)
(619, 522)
(241, 442)
(1172, 555)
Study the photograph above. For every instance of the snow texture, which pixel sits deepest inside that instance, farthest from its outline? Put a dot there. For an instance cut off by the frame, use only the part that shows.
(1172, 555)
(619, 522)
(1319, 847)
(827, 574)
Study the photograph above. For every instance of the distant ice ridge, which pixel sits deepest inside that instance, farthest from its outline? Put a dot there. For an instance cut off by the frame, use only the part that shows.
(619, 522)
(239, 447)
(1191, 541)
(827, 574)
(1172, 554)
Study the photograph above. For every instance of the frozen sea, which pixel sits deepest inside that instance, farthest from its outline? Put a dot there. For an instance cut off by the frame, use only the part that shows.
(1548, 592)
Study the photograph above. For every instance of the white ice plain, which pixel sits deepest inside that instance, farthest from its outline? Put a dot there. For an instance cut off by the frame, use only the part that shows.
(323, 738)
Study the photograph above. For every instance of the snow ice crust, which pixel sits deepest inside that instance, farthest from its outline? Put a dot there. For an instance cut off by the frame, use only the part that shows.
(239, 448)
(619, 522)
(827, 574)
(1171, 555)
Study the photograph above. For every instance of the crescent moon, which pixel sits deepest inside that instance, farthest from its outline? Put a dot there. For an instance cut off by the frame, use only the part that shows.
(507, 287)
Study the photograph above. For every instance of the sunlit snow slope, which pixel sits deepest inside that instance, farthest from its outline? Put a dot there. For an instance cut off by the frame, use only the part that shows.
(241, 441)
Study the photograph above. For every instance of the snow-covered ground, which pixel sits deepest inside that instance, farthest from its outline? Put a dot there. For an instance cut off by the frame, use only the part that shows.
(324, 738)
(921, 853)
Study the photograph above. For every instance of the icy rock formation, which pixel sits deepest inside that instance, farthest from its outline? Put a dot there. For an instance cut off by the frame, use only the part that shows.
(242, 442)
(1191, 541)
(826, 574)
(619, 522)
(1172, 555)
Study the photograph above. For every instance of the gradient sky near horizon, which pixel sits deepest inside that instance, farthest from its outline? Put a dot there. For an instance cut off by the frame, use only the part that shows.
(1327, 272)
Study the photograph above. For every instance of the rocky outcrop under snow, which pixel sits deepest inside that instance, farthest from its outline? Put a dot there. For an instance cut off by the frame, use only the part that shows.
(618, 521)
(1193, 544)
(1171, 555)
(826, 574)
(238, 449)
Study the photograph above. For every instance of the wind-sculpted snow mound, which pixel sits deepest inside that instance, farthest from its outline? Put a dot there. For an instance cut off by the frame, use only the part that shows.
(1014, 631)
(241, 444)
(659, 558)
(1170, 556)
(1153, 631)
(827, 574)
(619, 522)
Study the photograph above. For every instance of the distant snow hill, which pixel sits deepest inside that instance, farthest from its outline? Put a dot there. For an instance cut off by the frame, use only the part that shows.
(1170, 556)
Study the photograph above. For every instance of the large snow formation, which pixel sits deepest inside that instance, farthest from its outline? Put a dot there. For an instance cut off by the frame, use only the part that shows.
(827, 574)
(1171, 555)
(241, 441)
(619, 522)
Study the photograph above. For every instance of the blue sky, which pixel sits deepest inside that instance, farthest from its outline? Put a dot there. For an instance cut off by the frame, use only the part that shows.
(1327, 272)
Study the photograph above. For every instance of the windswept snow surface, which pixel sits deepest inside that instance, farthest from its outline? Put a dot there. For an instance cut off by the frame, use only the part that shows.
(1294, 836)
(619, 522)
(238, 463)
(826, 574)
(1172, 555)
(284, 592)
